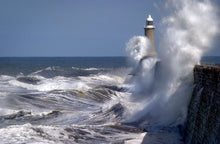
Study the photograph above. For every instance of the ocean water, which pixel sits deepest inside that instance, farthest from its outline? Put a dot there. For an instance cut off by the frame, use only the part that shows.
(211, 59)
(71, 100)
(64, 100)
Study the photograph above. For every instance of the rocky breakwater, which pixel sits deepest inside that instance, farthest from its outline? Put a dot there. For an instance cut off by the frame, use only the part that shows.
(203, 120)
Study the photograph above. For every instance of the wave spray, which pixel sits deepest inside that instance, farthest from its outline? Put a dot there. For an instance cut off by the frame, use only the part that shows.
(162, 85)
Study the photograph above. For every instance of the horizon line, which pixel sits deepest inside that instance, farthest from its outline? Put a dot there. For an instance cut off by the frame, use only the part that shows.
(53, 56)
(78, 56)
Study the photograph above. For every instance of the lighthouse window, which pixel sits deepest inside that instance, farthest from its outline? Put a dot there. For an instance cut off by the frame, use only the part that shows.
(150, 23)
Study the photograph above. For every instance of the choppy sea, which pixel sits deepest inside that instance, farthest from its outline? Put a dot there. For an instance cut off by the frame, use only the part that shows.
(67, 100)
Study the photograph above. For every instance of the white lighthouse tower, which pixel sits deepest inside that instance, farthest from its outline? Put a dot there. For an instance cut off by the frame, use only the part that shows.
(149, 33)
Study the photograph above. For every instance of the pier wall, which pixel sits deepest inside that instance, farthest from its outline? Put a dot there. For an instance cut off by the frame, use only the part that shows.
(203, 121)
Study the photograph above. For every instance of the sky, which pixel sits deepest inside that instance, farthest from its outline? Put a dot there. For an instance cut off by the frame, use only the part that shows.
(75, 27)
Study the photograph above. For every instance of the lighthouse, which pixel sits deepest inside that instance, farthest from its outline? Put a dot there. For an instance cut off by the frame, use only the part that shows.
(149, 33)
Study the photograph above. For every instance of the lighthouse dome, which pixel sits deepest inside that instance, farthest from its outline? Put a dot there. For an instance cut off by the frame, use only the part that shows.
(149, 18)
